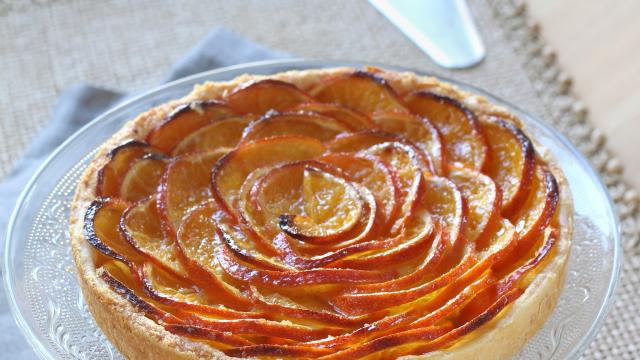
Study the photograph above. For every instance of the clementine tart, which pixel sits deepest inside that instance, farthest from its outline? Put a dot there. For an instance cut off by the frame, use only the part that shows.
(331, 214)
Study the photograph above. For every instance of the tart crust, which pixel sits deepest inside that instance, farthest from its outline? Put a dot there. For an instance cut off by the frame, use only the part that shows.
(138, 337)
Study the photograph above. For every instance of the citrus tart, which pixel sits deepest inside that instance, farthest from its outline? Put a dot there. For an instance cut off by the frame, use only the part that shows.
(330, 213)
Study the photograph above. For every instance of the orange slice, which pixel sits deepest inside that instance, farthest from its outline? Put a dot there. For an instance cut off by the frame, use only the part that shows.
(354, 142)
(419, 131)
(196, 240)
(353, 119)
(482, 199)
(231, 171)
(143, 178)
(184, 120)
(407, 164)
(314, 126)
(186, 183)
(512, 160)
(462, 140)
(141, 226)
(359, 91)
(121, 158)
(225, 133)
(101, 229)
(264, 95)
(331, 207)
(374, 175)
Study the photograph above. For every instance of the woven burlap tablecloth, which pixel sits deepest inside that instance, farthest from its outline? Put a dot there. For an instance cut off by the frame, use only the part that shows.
(49, 45)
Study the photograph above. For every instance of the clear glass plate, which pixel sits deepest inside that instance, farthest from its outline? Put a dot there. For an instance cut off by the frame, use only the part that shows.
(45, 298)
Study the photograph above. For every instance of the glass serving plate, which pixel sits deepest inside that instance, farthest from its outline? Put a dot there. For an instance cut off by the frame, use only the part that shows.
(45, 297)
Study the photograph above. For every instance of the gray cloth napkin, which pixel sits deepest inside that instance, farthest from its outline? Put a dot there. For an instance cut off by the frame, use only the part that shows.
(80, 104)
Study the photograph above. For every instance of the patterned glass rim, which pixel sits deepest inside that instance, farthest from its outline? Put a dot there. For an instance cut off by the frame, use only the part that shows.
(282, 65)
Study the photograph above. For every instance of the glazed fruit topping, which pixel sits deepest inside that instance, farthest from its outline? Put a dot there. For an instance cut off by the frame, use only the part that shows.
(338, 221)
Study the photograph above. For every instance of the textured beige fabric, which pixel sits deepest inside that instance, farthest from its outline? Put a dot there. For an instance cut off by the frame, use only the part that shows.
(49, 45)
(46, 48)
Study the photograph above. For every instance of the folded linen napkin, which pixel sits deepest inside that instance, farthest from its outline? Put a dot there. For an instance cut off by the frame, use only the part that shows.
(80, 104)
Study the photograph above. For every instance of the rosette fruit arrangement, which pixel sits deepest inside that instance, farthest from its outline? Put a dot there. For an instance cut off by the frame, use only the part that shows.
(345, 220)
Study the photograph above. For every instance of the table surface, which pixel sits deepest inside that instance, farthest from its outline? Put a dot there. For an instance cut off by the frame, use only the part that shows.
(598, 47)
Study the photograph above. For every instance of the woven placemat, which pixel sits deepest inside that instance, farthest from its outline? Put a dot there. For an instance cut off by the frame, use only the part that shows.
(48, 45)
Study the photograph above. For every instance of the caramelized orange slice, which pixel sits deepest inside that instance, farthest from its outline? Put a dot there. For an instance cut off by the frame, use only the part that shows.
(121, 158)
(482, 199)
(120, 278)
(353, 119)
(186, 183)
(231, 171)
(419, 131)
(242, 242)
(288, 198)
(263, 221)
(502, 240)
(197, 239)
(374, 175)
(502, 243)
(517, 277)
(261, 327)
(360, 91)
(416, 240)
(407, 164)
(289, 255)
(141, 226)
(101, 224)
(488, 314)
(184, 120)
(362, 140)
(331, 207)
(414, 318)
(463, 142)
(167, 288)
(261, 96)
(536, 212)
(383, 343)
(444, 201)
(241, 272)
(314, 126)
(225, 133)
(143, 178)
(287, 308)
(365, 229)
(425, 270)
(448, 301)
(362, 303)
(511, 160)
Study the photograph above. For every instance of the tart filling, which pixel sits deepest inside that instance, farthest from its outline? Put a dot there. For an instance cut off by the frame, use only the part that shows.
(341, 215)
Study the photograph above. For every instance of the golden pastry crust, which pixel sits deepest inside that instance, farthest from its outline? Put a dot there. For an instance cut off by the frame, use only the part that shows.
(138, 337)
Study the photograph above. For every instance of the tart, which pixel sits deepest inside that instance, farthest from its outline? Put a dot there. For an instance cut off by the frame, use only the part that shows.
(330, 213)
